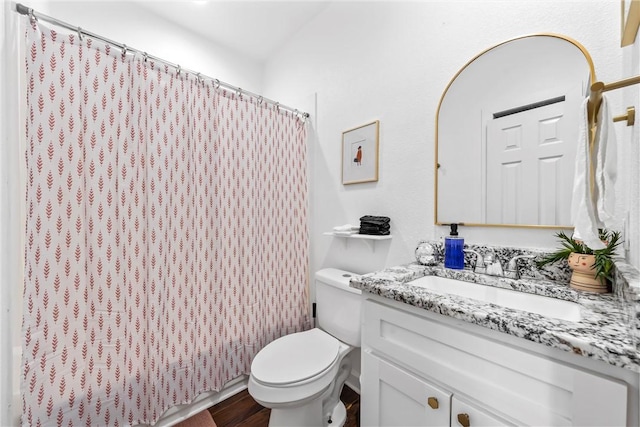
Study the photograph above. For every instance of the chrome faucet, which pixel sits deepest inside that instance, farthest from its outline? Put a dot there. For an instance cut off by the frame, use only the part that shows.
(492, 263)
(479, 266)
(512, 268)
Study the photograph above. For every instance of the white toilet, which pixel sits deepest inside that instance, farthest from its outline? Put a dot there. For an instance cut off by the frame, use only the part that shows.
(300, 376)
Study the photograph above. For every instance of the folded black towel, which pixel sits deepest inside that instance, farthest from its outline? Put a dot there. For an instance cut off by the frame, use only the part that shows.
(375, 232)
(375, 219)
(375, 225)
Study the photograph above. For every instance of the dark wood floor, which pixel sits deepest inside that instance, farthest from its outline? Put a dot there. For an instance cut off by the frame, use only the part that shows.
(242, 410)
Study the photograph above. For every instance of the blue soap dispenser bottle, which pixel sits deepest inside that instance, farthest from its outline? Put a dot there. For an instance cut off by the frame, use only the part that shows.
(454, 249)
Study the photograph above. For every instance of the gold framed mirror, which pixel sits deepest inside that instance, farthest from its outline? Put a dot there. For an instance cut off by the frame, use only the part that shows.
(506, 132)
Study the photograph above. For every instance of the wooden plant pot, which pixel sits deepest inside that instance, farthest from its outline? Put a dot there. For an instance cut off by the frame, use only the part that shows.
(584, 274)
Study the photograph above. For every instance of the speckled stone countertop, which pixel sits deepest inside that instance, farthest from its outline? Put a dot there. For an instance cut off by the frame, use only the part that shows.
(607, 331)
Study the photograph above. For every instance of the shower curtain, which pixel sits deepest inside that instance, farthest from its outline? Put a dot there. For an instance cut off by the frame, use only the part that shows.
(166, 233)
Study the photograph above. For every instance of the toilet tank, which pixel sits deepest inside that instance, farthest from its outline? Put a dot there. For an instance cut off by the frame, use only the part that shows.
(338, 305)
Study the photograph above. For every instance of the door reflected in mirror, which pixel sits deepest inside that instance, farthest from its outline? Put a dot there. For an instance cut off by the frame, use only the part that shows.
(506, 134)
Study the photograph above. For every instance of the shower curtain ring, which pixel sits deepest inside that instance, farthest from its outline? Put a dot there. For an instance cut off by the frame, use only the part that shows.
(216, 84)
(198, 78)
(124, 50)
(145, 56)
(178, 70)
(32, 16)
(260, 100)
(278, 106)
(79, 30)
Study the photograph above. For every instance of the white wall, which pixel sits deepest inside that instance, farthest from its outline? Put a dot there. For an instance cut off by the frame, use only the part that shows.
(391, 61)
(5, 304)
(135, 25)
(631, 148)
(10, 218)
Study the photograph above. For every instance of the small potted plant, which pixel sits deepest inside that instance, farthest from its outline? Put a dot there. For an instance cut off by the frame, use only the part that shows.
(592, 269)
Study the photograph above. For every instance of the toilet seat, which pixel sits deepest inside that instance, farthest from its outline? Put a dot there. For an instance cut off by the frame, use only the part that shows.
(295, 358)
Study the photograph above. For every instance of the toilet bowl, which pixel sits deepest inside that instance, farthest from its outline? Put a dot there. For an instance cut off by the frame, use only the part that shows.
(300, 376)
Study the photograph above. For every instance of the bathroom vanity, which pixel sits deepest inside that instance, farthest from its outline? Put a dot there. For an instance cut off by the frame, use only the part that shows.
(501, 342)
(430, 357)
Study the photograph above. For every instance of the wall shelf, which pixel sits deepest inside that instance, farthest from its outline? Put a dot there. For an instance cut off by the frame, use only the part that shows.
(370, 239)
(358, 236)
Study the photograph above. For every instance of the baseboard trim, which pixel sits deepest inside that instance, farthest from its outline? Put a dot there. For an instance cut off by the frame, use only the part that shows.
(205, 400)
(353, 381)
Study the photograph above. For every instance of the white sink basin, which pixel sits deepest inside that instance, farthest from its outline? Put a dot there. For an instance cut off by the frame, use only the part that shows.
(545, 306)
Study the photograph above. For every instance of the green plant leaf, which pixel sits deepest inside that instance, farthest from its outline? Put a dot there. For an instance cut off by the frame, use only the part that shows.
(603, 257)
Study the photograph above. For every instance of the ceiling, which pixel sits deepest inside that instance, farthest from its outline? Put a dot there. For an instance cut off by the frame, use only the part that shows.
(254, 28)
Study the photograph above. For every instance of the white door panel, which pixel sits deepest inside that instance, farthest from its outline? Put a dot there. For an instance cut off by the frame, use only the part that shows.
(530, 160)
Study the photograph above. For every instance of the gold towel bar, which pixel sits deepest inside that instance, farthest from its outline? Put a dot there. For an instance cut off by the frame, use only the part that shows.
(595, 97)
(630, 117)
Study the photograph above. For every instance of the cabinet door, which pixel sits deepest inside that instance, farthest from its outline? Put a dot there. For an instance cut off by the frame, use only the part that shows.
(391, 396)
(464, 414)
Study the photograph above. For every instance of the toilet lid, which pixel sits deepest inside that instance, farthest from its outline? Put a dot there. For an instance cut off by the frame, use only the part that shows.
(295, 357)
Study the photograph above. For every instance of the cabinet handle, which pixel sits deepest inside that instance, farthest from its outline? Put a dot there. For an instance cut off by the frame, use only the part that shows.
(433, 402)
(463, 419)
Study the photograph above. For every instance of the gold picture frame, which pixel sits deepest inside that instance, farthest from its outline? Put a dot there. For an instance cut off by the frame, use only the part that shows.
(360, 154)
(629, 22)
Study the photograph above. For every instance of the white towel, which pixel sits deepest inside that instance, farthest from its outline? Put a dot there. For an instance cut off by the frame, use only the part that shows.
(346, 227)
(606, 166)
(344, 233)
(589, 212)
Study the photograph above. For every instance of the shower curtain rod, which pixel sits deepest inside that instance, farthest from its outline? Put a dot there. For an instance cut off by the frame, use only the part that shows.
(24, 10)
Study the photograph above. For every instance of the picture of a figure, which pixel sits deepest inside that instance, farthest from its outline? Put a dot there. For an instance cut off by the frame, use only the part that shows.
(360, 154)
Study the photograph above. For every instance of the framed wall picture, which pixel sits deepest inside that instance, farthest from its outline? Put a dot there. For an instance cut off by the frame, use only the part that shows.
(360, 154)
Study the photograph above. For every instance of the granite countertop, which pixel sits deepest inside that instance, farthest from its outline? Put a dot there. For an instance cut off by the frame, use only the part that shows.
(605, 331)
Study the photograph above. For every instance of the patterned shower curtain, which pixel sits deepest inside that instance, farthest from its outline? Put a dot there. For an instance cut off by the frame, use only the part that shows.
(166, 233)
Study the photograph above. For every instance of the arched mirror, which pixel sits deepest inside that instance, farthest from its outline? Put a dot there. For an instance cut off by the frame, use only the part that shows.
(506, 134)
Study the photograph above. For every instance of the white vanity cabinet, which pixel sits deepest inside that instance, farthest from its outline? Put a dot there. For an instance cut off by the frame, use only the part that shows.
(395, 397)
(465, 414)
(424, 369)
